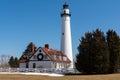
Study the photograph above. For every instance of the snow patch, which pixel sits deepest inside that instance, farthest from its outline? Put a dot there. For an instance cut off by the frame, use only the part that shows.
(43, 74)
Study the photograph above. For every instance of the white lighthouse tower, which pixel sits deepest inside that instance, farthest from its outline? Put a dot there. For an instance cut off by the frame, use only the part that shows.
(66, 44)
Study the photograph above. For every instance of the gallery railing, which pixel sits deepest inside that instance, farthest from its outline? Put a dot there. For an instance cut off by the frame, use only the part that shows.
(41, 70)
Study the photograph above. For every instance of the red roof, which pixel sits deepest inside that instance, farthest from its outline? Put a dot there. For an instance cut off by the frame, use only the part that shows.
(54, 55)
(23, 60)
(51, 53)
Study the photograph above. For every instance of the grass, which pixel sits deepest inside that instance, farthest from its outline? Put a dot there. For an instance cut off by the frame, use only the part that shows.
(67, 77)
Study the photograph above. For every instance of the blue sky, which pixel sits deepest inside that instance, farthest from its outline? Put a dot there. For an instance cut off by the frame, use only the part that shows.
(39, 21)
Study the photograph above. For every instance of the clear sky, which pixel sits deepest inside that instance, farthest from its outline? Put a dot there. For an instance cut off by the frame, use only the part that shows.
(39, 21)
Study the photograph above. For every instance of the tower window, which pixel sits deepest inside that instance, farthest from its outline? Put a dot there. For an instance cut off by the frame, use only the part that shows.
(62, 33)
(64, 12)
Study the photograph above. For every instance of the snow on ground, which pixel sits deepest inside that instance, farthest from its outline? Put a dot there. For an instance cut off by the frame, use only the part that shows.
(44, 74)
(29, 73)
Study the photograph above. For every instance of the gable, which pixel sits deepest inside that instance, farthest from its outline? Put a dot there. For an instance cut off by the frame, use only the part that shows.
(39, 55)
(45, 54)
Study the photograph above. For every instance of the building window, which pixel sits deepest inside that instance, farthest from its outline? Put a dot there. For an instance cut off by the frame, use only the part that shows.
(34, 65)
(45, 56)
(65, 58)
(40, 50)
(26, 65)
(55, 65)
(60, 57)
(54, 56)
(34, 57)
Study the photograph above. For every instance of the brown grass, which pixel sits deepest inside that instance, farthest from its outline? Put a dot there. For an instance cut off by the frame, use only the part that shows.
(74, 77)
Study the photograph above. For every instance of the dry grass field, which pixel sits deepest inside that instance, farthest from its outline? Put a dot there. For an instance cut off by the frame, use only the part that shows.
(74, 77)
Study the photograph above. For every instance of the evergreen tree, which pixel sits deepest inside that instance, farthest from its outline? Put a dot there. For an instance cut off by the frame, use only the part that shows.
(100, 53)
(83, 64)
(93, 54)
(16, 61)
(13, 62)
(113, 41)
(29, 48)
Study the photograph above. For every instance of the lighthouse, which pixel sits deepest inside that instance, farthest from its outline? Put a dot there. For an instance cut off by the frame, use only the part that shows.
(66, 44)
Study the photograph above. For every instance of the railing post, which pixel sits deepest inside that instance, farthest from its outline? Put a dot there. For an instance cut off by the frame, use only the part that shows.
(1, 69)
(9, 69)
(17, 69)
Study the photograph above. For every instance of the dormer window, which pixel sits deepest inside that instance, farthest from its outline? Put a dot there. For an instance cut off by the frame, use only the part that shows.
(65, 58)
(54, 56)
(60, 57)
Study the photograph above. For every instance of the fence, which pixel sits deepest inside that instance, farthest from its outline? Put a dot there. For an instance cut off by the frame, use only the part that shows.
(39, 70)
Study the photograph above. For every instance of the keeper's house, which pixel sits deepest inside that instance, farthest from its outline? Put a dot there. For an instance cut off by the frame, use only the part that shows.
(44, 57)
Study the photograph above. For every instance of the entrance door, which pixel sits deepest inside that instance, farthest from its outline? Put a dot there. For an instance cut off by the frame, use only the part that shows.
(27, 65)
(34, 65)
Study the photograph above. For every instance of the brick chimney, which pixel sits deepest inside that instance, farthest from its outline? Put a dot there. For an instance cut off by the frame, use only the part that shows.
(47, 46)
(32, 48)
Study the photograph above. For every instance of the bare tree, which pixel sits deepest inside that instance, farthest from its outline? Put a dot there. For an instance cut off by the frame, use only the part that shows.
(4, 61)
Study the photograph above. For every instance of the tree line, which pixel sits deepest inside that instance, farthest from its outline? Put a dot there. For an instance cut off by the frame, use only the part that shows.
(9, 61)
(99, 53)
(13, 62)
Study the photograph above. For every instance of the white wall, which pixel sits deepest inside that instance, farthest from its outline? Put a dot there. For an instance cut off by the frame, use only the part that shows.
(22, 65)
(44, 64)
(59, 65)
